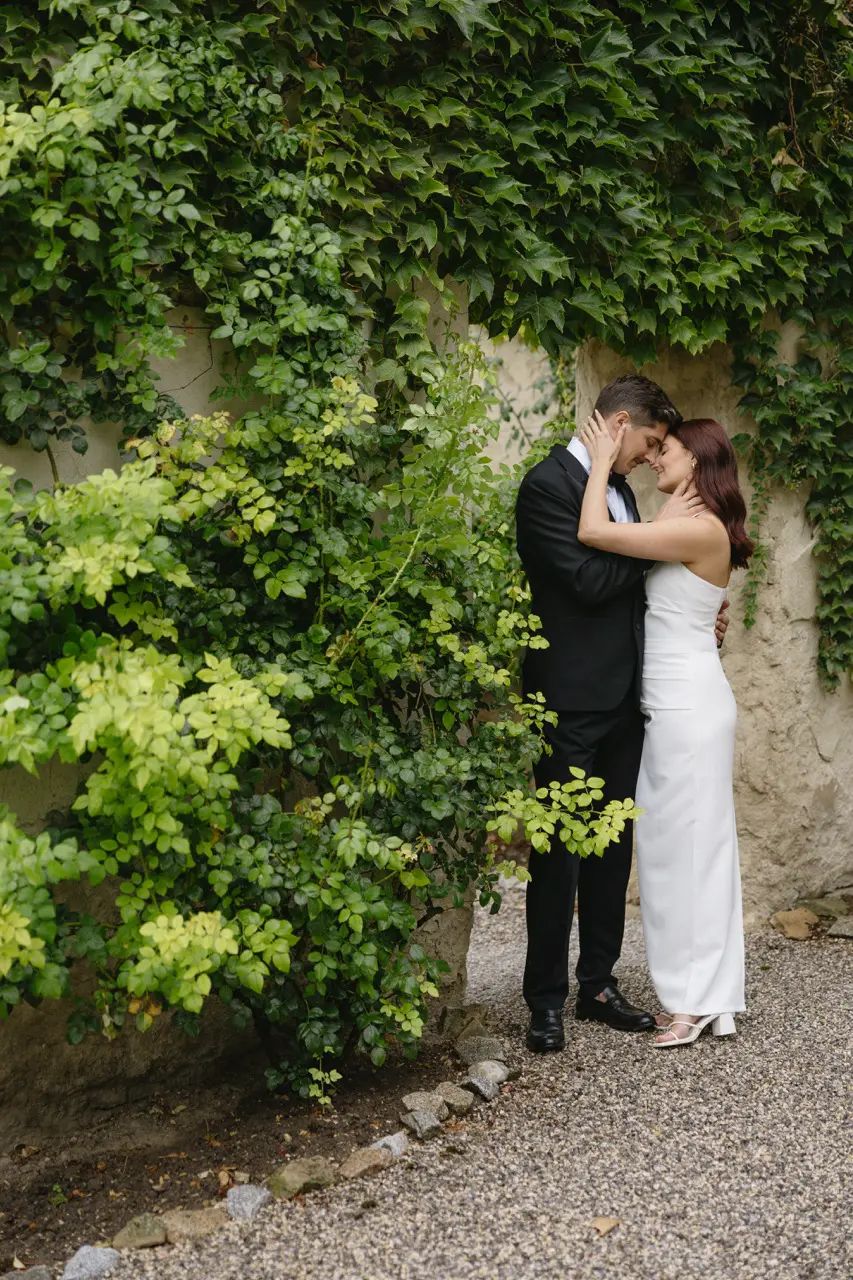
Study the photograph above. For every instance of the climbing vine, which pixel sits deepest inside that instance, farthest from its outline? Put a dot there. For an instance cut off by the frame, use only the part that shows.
(642, 173)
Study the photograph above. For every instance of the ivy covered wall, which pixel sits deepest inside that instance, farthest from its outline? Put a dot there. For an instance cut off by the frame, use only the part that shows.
(642, 174)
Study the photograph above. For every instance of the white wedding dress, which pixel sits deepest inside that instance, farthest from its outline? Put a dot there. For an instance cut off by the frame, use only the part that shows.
(687, 853)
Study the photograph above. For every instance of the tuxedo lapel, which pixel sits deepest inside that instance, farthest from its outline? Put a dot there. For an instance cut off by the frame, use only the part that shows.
(579, 474)
(569, 463)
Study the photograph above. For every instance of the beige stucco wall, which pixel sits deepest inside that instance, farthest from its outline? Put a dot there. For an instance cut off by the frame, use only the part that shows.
(794, 760)
(518, 370)
(191, 379)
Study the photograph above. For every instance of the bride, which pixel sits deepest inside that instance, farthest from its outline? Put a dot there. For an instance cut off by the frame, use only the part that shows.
(687, 854)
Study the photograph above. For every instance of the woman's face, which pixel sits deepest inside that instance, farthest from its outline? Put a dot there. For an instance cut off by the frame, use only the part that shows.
(673, 464)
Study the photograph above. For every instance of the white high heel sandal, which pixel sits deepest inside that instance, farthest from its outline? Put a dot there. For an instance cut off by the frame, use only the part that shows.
(722, 1024)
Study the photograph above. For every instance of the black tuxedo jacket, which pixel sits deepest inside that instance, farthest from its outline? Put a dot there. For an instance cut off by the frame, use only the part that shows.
(591, 603)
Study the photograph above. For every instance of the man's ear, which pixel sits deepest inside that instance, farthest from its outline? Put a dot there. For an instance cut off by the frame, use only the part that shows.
(617, 421)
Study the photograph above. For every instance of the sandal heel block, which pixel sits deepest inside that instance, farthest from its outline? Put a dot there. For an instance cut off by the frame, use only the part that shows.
(721, 1024)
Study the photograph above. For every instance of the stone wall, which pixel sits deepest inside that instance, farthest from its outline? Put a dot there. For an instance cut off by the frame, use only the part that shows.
(518, 370)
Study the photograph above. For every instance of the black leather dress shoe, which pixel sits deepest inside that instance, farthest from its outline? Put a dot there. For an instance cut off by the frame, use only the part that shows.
(614, 1009)
(545, 1033)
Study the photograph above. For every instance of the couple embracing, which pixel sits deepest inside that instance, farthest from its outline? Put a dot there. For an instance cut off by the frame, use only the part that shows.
(634, 614)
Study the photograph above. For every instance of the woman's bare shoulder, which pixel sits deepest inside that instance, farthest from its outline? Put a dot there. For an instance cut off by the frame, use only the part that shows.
(716, 530)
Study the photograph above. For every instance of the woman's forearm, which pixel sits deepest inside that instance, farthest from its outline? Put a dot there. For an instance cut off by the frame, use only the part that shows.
(595, 517)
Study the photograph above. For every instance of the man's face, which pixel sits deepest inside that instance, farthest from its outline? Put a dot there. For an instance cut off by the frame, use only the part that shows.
(641, 444)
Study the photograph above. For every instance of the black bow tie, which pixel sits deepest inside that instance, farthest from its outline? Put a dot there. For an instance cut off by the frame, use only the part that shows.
(618, 482)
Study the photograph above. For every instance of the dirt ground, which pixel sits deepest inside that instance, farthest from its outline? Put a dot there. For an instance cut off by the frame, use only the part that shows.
(185, 1149)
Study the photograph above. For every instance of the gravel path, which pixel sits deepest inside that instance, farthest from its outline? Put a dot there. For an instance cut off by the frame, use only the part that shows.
(728, 1160)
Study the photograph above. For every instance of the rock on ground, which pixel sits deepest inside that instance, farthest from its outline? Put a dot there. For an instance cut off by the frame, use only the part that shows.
(31, 1273)
(476, 1048)
(797, 923)
(434, 1103)
(397, 1143)
(459, 1100)
(727, 1160)
(457, 1021)
(142, 1232)
(89, 1262)
(490, 1070)
(486, 1078)
(368, 1160)
(830, 907)
(423, 1124)
(193, 1224)
(310, 1173)
(244, 1202)
(842, 928)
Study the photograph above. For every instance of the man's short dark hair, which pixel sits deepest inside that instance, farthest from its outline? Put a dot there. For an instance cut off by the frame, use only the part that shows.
(643, 399)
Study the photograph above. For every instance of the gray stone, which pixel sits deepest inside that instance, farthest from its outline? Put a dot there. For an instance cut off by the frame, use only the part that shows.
(484, 1087)
(486, 1079)
(366, 1161)
(90, 1262)
(432, 1102)
(34, 1273)
(193, 1224)
(142, 1232)
(494, 1071)
(310, 1173)
(460, 1101)
(246, 1201)
(396, 1143)
(473, 1049)
(423, 1124)
(842, 928)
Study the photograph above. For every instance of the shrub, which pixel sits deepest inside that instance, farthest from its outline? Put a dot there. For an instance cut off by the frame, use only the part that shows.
(286, 647)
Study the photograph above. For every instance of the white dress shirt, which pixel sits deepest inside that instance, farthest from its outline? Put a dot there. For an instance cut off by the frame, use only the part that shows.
(616, 504)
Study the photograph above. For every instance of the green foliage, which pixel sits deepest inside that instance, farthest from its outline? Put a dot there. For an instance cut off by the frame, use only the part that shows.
(580, 833)
(283, 647)
(641, 173)
(283, 782)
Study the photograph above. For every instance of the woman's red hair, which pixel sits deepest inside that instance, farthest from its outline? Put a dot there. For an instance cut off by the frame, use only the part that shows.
(716, 480)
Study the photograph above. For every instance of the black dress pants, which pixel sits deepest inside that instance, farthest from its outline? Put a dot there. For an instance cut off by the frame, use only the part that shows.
(606, 744)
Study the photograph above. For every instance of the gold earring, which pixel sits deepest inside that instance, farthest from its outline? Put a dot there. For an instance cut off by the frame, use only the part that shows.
(694, 464)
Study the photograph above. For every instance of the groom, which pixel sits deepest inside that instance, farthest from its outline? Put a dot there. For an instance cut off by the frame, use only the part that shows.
(591, 605)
